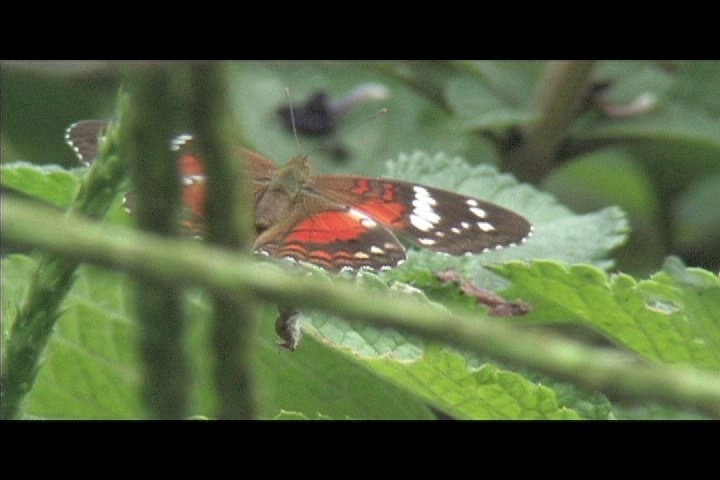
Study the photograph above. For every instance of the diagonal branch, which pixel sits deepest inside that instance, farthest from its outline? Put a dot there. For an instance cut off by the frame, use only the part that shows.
(185, 262)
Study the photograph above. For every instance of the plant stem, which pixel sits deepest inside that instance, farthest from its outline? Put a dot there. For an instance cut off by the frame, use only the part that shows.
(562, 87)
(230, 224)
(147, 128)
(184, 262)
(53, 279)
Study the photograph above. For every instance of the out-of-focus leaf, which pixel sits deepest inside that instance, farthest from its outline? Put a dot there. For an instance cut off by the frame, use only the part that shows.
(696, 217)
(614, 177)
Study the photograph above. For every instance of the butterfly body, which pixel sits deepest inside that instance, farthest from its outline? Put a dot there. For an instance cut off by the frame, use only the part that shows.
(344, 221)
(281, 194)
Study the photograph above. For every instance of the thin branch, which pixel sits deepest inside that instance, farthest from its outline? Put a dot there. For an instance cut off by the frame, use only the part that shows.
(186, 262)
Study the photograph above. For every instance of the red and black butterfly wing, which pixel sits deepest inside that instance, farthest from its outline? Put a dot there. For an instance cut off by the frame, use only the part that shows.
(435, 219)
(331, 235)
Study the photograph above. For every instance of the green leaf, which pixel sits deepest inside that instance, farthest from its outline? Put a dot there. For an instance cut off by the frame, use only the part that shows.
(50, 183)
(612, 176)
(588, 405)
(673, 317)
(14, 283)
(449, 381)
(698, 86)
(54, 185)
(446, 380)
(511, 81)
(92, 371)
(696, 217)
(90, 366)
(605, 177)
(480, 108)
(291, 415)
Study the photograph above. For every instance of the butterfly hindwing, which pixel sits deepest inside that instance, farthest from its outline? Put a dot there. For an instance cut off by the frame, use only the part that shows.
(83, 137)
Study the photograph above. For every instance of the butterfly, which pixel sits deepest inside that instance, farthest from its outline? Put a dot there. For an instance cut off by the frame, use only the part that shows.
(338, 222)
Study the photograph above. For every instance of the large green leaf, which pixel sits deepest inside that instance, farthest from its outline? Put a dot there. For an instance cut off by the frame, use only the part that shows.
(91, 369)
(673, 316)
(460, 385)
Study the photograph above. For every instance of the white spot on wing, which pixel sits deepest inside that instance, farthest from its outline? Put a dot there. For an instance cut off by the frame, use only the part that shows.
(465, 225)
(193, 179)
(425, 210)
(471, 202)
(361, 255)
(426, 241)
(179, 141)
(365, 221)
(485, 226)
(420, 223)
(368, 222)
(478, 212)
(422, 194)
(455, 230)
(376, 250)
(423, 216)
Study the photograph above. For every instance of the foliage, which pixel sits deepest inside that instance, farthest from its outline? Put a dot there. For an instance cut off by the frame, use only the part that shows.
(91, 368)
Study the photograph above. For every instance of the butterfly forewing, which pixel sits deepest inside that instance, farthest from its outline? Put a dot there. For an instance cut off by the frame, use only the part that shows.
(435, 219)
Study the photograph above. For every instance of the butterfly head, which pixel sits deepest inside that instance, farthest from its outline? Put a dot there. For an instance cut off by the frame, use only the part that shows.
(283, 189)
(293, 175)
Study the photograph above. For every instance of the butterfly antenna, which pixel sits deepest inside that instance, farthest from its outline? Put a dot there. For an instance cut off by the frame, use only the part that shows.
(292, 119)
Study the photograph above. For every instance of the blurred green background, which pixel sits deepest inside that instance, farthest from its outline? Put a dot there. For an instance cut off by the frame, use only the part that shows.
(659, 159)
